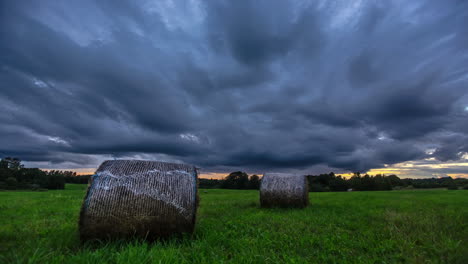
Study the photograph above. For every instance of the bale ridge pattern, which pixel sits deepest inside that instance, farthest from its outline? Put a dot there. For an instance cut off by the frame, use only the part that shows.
(144, 199)
(284, 190)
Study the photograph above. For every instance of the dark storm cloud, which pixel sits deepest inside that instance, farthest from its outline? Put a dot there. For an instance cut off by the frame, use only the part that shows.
(244, 84)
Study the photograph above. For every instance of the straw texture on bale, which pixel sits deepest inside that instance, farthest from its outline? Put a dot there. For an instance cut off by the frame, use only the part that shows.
(144, 199)
(284, 190)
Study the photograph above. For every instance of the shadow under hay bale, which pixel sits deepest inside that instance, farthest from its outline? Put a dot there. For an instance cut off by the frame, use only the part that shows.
(139, 199)
(284, 190)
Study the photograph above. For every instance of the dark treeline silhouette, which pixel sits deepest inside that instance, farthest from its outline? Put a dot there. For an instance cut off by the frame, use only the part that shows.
(358, 182)
(14, 176)
(235, 180)
(81, 179)
(444, 182)
(331, 182)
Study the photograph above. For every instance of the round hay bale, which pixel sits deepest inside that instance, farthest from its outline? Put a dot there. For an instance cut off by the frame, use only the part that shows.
(144, 199)
(284, 190)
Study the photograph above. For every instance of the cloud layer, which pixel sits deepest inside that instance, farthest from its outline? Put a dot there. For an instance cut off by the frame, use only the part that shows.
(235, 84)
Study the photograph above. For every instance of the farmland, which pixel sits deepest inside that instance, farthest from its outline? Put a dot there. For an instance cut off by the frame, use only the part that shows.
(348, 227)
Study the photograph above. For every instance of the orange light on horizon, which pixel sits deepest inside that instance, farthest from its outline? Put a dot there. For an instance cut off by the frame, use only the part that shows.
(409, 169)
(81, 171)
(89, 171)
(212, 175)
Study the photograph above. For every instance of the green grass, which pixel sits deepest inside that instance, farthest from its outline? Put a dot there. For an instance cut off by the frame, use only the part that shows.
(352, 227)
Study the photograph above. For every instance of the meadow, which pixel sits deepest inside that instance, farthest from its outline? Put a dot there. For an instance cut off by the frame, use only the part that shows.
(420, 226)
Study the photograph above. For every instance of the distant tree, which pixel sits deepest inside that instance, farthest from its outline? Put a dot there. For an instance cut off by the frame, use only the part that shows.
(356, 182)
(3, 164)
(379, 182)
(32, 175)
(325, 179)
(338, 184)
(84, 179)
(56, 182)
(15, 176)
(236, 180)
(11, 163)
(394, 181)
(314, 187)
(6, 173)
(254, 182)
(11, 183)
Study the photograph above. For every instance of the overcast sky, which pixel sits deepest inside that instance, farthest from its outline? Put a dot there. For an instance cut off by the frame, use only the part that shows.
(309, 86)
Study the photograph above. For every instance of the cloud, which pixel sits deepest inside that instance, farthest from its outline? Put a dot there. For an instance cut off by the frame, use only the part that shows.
(257, 85)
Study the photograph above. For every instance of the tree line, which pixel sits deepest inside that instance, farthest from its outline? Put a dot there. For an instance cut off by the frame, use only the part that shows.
(379, 182)
(13, 176)
(336, 183)
(235, 180)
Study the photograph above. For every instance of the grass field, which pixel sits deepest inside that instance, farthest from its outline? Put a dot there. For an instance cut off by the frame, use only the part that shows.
(352, 227)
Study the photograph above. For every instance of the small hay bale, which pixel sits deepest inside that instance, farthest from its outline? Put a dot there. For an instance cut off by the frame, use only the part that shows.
(143, 199)
(284, 190)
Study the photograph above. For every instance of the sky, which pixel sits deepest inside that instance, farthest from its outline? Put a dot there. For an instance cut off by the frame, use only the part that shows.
(260, 86)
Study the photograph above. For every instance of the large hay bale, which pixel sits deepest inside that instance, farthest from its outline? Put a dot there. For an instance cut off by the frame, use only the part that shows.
(144, 199)
(284, 190)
